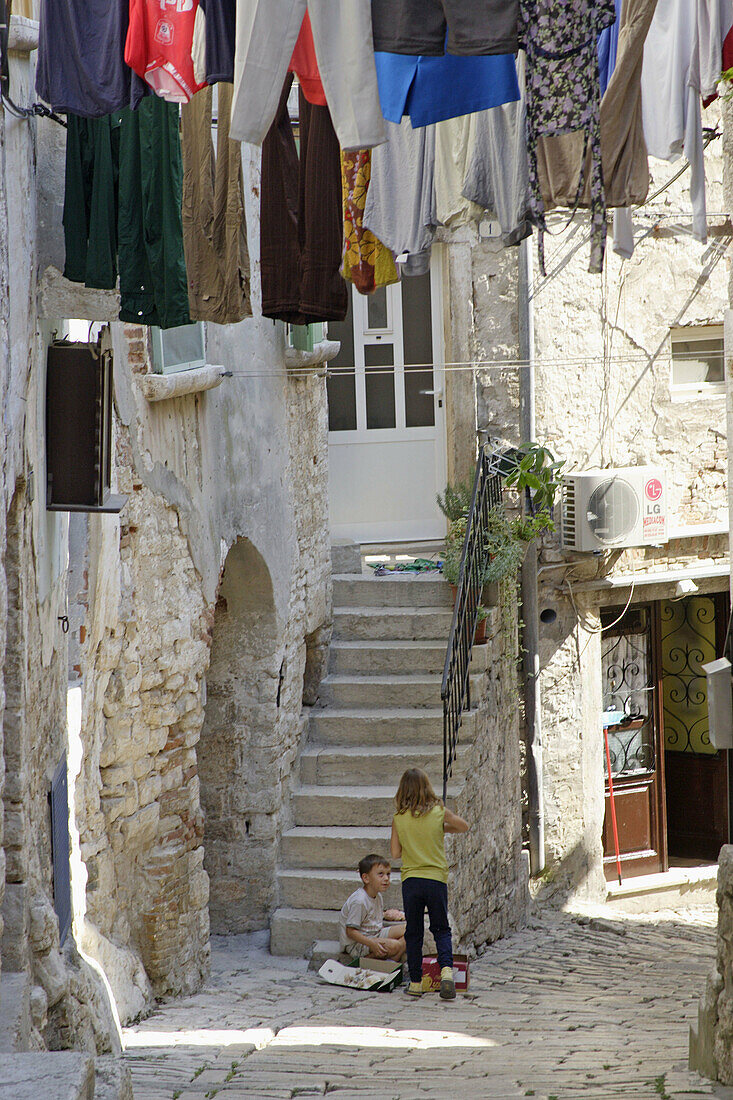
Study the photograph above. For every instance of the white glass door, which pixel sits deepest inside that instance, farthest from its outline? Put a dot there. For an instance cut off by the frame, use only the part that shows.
(386, 415)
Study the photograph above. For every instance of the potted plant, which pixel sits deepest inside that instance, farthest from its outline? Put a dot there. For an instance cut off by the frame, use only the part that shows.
(456, 500)
(479, 637)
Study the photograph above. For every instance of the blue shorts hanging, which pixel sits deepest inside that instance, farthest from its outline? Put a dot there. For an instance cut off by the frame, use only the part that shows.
(433, 89)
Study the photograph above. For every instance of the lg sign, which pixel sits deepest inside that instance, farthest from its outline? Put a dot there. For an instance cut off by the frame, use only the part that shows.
(653, 488)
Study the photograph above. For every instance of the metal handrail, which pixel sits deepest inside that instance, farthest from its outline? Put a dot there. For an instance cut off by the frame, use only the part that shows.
(456, 688)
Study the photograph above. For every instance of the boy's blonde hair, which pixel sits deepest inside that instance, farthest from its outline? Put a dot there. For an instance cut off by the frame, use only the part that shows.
(415, 793)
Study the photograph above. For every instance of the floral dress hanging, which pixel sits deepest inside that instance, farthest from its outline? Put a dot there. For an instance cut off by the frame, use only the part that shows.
(563, 95)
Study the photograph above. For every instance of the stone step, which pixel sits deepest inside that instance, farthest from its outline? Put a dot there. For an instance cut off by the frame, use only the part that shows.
(303, 888)
(294, 931)
(322, 950)
(353, 807)
(387, 657)
(51, 1075)
(395, 623)
(394, 590)
(334, 765)
(411, 690)
(384, 726)
(332, 846)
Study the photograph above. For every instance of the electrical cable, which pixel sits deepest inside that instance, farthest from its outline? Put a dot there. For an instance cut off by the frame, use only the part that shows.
(596, 630)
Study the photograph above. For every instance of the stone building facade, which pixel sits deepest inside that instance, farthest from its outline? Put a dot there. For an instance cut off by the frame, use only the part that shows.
(164, 653)
(600, 349)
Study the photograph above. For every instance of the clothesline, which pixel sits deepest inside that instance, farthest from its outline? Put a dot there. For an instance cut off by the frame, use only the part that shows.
(482, 365)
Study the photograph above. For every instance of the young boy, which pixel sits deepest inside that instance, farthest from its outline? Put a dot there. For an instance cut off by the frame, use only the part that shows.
(362, 931)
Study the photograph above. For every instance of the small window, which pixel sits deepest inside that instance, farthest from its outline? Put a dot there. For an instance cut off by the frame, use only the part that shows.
(698, 361)
(177, 349)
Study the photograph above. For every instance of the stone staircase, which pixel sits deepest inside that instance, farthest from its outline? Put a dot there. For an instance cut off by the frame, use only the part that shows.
(379, 712)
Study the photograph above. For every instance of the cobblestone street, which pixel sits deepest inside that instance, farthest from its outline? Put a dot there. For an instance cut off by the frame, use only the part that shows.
(585, 1005)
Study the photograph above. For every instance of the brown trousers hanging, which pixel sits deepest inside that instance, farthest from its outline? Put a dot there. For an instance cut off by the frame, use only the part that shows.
(214, 224)
(301, 218)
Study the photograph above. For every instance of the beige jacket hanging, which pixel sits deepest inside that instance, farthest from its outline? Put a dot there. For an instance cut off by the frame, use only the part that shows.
(214, 227)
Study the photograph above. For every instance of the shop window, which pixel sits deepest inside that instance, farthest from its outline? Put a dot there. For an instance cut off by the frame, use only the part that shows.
(698, 361)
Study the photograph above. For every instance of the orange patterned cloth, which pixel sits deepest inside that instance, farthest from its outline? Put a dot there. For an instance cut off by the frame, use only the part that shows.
(367, 262)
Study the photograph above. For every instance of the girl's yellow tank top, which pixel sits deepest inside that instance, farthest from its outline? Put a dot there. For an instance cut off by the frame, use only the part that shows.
(423, 845)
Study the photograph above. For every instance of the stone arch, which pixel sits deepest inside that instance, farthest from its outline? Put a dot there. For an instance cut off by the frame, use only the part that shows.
(239, 761)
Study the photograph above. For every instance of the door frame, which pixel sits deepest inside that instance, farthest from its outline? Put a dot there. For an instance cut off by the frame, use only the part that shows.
(652, 860)
(439, 430)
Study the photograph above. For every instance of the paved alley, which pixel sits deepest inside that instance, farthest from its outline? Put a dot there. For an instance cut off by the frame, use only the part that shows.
(596, 1006)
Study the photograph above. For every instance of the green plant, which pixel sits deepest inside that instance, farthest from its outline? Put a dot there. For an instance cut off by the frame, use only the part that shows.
(454, 549)
(456, 500)
(532, 467)
(483, 614)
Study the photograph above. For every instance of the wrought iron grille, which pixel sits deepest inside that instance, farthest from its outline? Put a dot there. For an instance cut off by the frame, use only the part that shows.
(628, 692)
(456, 689)
(688, 642)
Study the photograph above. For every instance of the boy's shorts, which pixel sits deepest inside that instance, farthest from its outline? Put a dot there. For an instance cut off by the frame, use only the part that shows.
(473, 27)
(359, 950)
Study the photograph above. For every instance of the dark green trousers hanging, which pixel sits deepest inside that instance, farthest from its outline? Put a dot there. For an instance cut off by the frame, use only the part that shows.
(90, 200)
(153, 287)
(122, 210)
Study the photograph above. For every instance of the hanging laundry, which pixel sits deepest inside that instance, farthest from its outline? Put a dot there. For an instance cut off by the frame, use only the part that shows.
(214, 226)
(301, 218)
(214, 37)
(159, 44)
(122, 210)
(725, 8)
(267, 33)
(563, 95)
(367, 263)
(428, 27)
(400, 202)
(497, 178)
(305, 66)
(81, 65)
(153, 287)
(623, 148)
(608, 49)
(454, 144)
(90, 200)
(433, 89)
(682, 62)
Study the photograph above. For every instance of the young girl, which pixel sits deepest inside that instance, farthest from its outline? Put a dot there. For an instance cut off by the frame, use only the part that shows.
(418, 828)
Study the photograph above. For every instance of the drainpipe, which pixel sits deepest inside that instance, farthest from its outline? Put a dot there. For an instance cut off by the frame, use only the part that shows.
(530, 604)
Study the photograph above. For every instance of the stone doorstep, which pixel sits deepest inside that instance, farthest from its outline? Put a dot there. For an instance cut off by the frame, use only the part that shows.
(675, 888)
(52, 1075)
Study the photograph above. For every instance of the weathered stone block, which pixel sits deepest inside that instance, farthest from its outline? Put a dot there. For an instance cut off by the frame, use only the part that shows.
(44, 925)
(51, 974)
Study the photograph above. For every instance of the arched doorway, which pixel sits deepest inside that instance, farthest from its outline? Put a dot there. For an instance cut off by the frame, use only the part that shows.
(238, 759)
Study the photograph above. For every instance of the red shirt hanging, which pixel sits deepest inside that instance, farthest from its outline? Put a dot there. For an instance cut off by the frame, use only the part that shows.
(305, 66)
(158, 46)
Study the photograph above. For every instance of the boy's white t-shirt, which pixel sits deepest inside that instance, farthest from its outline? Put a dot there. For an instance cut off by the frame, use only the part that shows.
(363, 913)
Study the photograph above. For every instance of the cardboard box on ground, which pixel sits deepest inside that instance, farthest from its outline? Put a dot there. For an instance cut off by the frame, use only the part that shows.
(370, 974)
(384, 975)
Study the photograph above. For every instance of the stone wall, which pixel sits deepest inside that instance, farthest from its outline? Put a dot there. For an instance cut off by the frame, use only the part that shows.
(49, 997)
(603, 397)
(201, 605)
(711, 1036)
(489, 894)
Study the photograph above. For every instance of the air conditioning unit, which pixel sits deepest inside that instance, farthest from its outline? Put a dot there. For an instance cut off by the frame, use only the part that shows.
(613, 509)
